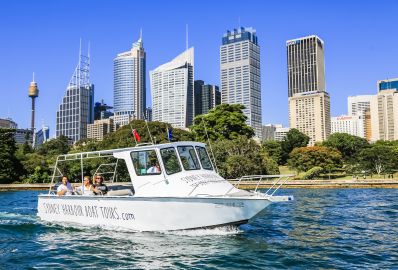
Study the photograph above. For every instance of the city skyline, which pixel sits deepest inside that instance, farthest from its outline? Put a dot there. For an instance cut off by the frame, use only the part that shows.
(355, 58)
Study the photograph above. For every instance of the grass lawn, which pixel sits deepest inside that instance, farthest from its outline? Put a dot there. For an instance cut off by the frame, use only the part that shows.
(286, 170)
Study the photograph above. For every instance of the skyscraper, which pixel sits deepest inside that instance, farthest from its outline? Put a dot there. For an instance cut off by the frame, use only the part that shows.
(129, 84)
(211, 97)
(240, 74)
(385, 124)
(102, 110)
(172, 89)
(358, 104)
(207, 97)
(76, 110)
(100, 128)
(310, 114)
(148, 114)
(8, 123)
(309, 103)
(361, 105)
(42, 136)
(198, 84)
(306, 65)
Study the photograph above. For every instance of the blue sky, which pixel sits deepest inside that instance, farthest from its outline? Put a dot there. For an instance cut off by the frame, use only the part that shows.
(43, 36)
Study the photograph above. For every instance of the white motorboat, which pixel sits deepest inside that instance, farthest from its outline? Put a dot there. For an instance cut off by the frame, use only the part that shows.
(174, 186)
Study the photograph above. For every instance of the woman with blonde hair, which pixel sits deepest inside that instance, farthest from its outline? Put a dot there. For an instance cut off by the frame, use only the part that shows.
(87, 188)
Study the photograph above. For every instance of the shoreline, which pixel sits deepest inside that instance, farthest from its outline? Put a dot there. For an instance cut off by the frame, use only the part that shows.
(315, 184)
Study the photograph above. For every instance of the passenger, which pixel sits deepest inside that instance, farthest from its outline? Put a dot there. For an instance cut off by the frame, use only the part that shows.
(100, 187)
(154, 169)
(87, 188)
(65, 188)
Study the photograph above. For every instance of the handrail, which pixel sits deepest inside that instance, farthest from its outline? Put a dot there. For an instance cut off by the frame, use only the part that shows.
(282, 178)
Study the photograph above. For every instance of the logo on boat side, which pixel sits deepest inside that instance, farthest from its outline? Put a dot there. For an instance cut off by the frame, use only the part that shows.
(229, 204)
(90, 211)
(203, 179)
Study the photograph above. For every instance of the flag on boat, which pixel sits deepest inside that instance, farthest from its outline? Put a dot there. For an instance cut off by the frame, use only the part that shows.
(169, 134)
(136, 136)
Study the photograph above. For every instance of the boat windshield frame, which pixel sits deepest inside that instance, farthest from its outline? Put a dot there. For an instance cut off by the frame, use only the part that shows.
(164, 163)
(206, 156)
(195, 158)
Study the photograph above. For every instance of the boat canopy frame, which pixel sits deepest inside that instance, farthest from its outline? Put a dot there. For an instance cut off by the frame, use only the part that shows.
(57, 173)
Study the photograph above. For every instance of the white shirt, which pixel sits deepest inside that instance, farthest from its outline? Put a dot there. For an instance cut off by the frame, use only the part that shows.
(68, 188)
(87, 191)
(153, 169)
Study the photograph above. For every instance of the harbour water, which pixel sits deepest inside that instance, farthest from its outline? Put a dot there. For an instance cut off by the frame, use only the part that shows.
(322, 228)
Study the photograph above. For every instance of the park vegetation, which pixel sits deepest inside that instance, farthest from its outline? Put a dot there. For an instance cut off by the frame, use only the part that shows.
(231, 146)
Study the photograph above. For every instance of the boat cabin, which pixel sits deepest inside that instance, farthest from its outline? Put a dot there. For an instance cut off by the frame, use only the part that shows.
(171, 169)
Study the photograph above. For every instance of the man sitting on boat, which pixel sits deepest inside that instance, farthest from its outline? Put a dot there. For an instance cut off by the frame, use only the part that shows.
(100, 188)
(155, 169)
(65, 188)
(87, 188)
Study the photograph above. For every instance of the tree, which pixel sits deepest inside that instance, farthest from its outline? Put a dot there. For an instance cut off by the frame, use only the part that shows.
(348, 145)
(294, 139)
(10, 166)
(304, 158)
(55, 147)
(274, 150)
(224, 122)
(379, 157)
(242, 156)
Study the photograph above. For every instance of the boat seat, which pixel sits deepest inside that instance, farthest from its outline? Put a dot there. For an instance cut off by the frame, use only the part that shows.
(120, 190)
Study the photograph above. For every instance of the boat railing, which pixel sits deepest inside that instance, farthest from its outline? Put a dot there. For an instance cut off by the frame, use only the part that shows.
(110, 167)
(256, 180)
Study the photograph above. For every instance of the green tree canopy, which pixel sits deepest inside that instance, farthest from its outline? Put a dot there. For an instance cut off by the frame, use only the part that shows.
(242, 156)
(10, 167)
(305, 158)
(274, 149)
(294, 139)
(380, 157)
(54, 147)
(224, 122)
(348, 145)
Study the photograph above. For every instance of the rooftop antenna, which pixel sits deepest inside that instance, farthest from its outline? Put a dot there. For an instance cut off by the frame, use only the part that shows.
(140, 34)
(88, 49)
(80, 48)
(186, 37)
(79, 67)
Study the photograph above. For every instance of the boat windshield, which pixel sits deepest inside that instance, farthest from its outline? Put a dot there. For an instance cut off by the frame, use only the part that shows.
(188, 158)
(145, 162)
(204, 158)
(170, 160)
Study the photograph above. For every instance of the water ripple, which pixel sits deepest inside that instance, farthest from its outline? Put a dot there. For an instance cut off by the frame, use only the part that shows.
(338, 229)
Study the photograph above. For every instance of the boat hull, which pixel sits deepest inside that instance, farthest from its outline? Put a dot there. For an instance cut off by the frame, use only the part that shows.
(149, 214)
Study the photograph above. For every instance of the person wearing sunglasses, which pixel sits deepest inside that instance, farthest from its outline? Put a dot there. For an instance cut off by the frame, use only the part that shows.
(100, 187)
